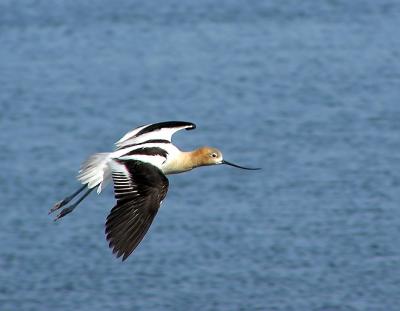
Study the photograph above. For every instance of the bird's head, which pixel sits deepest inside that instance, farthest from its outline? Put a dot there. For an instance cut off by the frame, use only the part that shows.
(213, 156)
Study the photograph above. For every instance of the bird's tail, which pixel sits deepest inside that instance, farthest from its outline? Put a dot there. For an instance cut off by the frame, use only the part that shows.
(95, 171)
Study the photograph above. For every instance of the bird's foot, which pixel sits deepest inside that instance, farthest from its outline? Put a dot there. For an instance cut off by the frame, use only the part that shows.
(64, 212)
(58, 205)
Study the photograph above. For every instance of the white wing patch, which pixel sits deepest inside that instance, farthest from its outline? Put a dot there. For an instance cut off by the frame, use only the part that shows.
(157, 161)
(129, 135)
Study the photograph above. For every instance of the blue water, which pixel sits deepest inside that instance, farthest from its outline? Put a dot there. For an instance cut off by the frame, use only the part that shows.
(308, 90)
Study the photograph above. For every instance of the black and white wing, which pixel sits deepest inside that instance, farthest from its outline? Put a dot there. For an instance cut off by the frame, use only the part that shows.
(139, 189)
(153, 133)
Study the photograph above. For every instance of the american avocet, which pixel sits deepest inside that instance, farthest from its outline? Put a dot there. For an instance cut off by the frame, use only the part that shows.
(138, 167)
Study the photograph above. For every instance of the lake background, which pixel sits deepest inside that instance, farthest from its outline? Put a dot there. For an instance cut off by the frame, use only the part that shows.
(309, 91)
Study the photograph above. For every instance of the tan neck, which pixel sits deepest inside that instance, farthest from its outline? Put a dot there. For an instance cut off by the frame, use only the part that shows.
(190, 159)
(184, 162)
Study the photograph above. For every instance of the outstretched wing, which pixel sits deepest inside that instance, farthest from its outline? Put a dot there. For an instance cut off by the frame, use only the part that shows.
(156, 132)
(139, 189)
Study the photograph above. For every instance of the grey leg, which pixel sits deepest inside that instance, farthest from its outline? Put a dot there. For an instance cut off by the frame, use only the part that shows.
(70, 208)
(66, 200)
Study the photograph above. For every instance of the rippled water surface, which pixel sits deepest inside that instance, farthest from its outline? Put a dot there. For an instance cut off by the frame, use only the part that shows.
(308, 90)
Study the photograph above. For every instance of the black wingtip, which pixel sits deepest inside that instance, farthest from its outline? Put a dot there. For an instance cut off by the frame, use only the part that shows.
(192, 126)
(166, 124)
(189, 125)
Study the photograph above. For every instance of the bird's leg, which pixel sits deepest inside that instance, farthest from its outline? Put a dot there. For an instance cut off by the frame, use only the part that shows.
(70, 208)
(66, 200)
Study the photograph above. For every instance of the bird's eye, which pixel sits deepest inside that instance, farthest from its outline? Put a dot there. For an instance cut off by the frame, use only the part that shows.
(214, 155)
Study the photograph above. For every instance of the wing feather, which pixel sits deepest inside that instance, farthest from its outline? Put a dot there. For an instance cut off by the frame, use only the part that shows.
(162, 131)
(139, 189)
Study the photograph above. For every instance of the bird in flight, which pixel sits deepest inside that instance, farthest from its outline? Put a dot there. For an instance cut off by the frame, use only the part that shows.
(138, 167)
